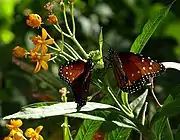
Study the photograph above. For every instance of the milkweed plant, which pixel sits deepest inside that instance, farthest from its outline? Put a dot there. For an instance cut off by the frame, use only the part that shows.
(114, 111)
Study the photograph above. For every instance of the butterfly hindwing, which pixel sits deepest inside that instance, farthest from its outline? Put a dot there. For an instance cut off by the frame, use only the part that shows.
(77, 73)
(132, 70)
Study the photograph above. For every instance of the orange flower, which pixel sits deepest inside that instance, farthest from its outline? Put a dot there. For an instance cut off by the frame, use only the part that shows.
(18, 136)
(52, 19)
(34, 20)
(7, 138)
(34, 134)
(14, 126)
(19, 52)
(41, 42)
(40, 59)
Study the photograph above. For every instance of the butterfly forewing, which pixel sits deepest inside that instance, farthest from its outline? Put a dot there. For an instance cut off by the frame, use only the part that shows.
(77, 73)
(72, 70)
(132, 71)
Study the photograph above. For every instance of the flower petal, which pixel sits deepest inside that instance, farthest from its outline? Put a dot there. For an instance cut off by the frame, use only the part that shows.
(19, 52)
(46, 57)
(34, 20)
(29, 132)
(18, 136)
(38, 129)
(7, 138)
(50, 41)
(36, 49)
(38, 67)
(40, 137)
(44, 65)
(17, 123)
(44, 34)
(10, 127)
(44, 49)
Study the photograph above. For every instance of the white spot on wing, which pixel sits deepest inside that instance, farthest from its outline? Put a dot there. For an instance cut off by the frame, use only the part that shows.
(144, 68)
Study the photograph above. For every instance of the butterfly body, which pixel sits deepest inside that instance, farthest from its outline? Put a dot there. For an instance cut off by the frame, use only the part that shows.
(132, 70)
(77, 74)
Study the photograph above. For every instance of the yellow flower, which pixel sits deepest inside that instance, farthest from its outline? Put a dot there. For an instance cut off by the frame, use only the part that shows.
(19, 51)
(52, 19)
(34, 134)
(34, 20)
(7, 138)
(41, 42)
(40, 59)
(18, 136)
(14, 126)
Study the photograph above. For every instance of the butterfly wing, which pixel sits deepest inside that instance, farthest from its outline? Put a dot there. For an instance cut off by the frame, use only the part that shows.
(134, 70)
(77, 74)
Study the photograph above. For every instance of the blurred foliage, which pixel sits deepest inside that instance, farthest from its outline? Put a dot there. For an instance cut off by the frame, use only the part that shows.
(122, 21)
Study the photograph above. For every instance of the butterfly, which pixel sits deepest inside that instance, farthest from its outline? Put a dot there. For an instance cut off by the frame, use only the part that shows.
(77, 73)
(132, 70)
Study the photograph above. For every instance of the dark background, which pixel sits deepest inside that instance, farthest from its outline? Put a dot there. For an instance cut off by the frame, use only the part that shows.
(122, 21)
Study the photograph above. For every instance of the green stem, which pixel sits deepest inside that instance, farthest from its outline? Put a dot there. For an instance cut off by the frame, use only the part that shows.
(125, 100)
(122, 108)
(148, 134)
(63, 57)
(65, 19)
(58, 28)
(62, 42)
(65, 125)
(72, 16)
(80, 47)
(65, 128)
(59, 50)
(72, 51)
(143, 118)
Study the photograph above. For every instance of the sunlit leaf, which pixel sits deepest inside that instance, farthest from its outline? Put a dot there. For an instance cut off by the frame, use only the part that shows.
(56, 109)
(138, 103)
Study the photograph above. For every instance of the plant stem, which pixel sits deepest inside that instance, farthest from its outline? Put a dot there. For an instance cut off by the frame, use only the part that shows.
(121, 107)
(72, 16)
(80, 47)
(70, 49)
(65, 128)
(65, 19)
(143, 117)
(65, 124)
(58, 28)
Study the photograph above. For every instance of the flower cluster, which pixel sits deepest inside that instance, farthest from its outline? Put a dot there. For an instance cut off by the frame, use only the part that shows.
(39, 54)
(17, 134)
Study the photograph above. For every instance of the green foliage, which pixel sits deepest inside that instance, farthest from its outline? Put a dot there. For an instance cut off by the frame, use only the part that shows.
(114, 116)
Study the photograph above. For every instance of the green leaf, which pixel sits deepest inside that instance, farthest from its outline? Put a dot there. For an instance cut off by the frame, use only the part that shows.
(119, 134)
(98, 118)
(170, 109)
(149, 29)
(138, 103)
(167, 133)
(177, 134)
(157, 115)
(56, 109)
(161, 124)
(36, 105)
(87, 129)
